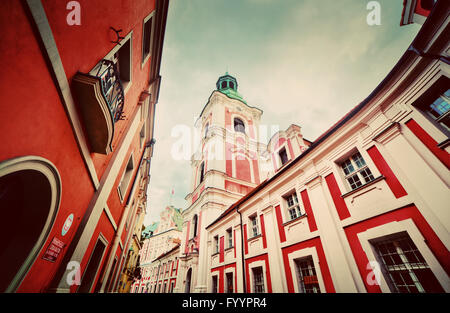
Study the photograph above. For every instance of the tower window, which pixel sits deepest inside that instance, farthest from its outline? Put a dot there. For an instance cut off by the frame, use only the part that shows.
(224, 85)
(283, 156)
(239, 125)
(194, 226)
(232, 85)
(202, 170)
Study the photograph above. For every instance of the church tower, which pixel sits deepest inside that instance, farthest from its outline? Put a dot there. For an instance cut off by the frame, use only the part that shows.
(224, 167)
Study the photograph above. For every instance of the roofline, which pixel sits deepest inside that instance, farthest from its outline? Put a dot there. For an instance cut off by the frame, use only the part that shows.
(427, 27)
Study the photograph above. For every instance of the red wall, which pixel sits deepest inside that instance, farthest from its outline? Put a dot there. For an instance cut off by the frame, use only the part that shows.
(31, 112)
(82, 46)
(33, 121)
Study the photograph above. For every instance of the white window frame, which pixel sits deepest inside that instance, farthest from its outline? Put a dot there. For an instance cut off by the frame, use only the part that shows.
(233, 281)
(252, 227)
(384, 231)
(229, 232)
(216, 244)
(101, 238)
(299, 212)
(212, 282)
(356, 170)
(144, 57)
(260, 263)
(298, 254)
(119, 189)
(110, 56)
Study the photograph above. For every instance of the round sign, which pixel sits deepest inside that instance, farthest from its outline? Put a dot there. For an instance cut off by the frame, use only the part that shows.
(67, 224)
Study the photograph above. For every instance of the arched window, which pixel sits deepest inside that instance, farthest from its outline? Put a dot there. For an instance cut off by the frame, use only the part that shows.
(194, 225)
(239, 125)
(224, 84)
(232, 85)
(202, 172)
(187, 288)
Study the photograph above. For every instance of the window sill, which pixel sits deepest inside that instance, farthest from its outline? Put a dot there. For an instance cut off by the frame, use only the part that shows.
(215, 253)
(229, 248)
(254, 237)
(379, 178)
(294, 220)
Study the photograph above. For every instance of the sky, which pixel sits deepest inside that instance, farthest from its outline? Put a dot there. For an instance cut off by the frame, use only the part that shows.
(303, 62)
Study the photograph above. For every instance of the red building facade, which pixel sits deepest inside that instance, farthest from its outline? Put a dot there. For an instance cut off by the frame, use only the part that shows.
(80, 84)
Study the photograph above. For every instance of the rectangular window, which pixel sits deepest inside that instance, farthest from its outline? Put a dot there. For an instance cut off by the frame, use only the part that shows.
(216, 244)
(230, 237)
(92, 268)
(229, 279)
(254, 225)
(404, 266)
(356, 171)
(126, 178)
(306, 274)
(172, 285)
(202, 172)
(435, 103)
(258, 280)
(439, 109)
(122, 60)
(147, 37)
(214, 284)
(142, 136)
(293, 206)
(283, 156)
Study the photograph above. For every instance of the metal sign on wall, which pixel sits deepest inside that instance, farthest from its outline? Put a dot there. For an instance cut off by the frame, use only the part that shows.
(53, 250)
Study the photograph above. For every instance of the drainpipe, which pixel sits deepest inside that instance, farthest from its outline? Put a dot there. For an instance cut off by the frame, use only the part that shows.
(242, 251)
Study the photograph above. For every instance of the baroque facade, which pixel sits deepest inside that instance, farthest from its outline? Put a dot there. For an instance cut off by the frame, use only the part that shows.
(363, 208)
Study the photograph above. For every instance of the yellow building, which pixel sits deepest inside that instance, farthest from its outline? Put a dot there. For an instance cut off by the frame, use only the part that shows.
(131, 270)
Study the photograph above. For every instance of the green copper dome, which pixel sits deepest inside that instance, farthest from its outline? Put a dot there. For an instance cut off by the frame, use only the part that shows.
(227, 85)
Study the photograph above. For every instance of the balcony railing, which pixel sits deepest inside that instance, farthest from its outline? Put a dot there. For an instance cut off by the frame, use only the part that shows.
(100, 98)
(112, 88)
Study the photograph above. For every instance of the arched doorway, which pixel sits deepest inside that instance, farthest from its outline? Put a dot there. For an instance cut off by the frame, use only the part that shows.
(188, 281)
(29, 199)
